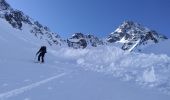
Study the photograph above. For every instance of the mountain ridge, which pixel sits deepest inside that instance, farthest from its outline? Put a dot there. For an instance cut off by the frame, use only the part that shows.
(129, 34)
(132, 34)
(17, 19)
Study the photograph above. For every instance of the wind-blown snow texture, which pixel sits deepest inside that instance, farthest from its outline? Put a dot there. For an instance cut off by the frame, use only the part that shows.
(146, 69)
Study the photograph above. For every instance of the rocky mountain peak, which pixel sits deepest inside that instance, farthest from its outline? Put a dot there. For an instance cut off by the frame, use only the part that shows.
(80, 40)
(132, 34)
(17, 19)
(4, 5)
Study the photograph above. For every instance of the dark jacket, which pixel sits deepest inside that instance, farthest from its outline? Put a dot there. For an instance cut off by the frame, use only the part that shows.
(42, 50)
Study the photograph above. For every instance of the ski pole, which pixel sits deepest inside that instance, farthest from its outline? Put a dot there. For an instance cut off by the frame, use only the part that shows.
(35, 57)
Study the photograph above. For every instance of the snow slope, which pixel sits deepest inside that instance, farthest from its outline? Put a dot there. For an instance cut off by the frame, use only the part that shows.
(82, 74)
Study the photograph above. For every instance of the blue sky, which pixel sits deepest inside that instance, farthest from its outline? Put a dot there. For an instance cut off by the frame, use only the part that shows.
(99, 17)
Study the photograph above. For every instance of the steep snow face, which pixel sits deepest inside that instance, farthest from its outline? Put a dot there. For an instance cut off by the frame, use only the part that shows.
(17, 19)
(79, 40)
(10, 35)
(133, 35)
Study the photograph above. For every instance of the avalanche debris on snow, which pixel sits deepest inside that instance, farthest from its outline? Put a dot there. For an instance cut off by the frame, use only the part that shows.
(145, 69)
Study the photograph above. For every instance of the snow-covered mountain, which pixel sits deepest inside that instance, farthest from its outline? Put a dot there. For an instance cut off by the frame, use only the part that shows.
(132, 35)
(80, 40)
(77, 74)
(17, 19)
(101, 73)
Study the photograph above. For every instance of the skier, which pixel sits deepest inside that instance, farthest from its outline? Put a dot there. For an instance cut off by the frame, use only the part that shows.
(41, 53)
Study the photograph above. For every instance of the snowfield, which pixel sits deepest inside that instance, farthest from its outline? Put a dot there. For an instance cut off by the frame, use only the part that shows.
(102, 73)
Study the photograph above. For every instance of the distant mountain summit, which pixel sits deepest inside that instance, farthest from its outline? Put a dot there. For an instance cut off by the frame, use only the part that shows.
(132, 35)
(80, 40)
(17, 19)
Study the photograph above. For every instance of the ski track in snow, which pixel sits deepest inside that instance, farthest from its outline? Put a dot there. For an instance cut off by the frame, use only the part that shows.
(21, 90)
